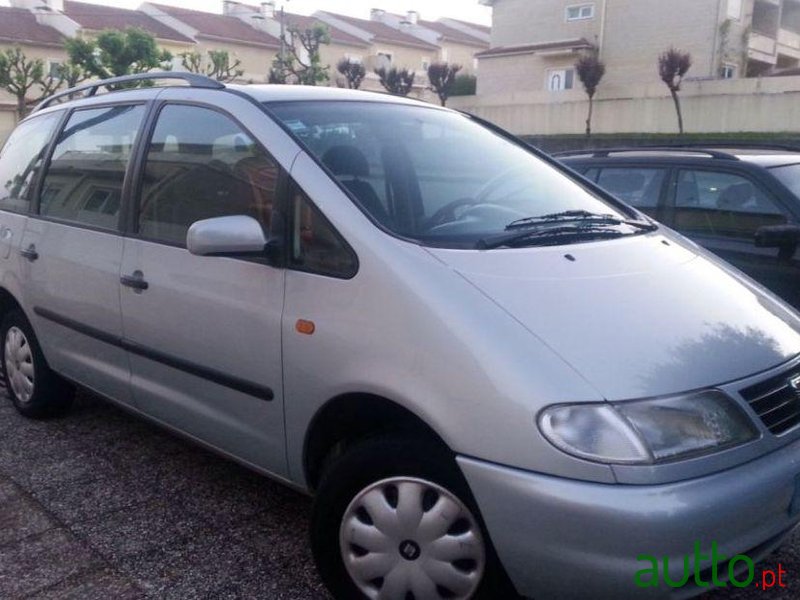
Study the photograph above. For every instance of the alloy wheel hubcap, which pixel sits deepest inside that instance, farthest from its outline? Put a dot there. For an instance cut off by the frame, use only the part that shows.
(18, 362)
(410, 539)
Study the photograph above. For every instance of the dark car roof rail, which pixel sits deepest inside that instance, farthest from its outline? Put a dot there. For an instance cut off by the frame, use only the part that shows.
(741, 146)
(193, 79)
(605, 152)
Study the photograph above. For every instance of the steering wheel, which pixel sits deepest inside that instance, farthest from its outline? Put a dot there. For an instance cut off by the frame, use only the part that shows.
(447, 213)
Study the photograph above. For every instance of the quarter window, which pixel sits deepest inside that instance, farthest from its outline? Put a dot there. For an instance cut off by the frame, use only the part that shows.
(84, 180)
(722, 204)
(315, 245)
(201, 164)
(21, 158)
(580, 12)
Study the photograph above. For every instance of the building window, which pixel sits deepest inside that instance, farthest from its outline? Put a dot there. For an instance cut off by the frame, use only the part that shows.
(426, 62)
(728, 71)
(384, 59)
(559, 80)
(735, 9)
(54, 69)
(580, 12)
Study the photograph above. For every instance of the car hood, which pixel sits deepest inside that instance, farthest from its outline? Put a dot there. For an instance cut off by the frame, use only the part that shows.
(637, 317)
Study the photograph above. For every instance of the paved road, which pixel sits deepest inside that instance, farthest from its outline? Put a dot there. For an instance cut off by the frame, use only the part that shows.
(102, 505)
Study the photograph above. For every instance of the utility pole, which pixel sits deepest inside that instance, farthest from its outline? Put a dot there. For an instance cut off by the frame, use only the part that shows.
(283, 36)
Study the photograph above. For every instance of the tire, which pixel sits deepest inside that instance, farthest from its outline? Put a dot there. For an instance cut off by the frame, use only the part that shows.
(403, 481)
(35, 390)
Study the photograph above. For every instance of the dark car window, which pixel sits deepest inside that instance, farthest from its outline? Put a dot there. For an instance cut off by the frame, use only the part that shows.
(84, 181)
(722, 204)
(21, 159)
(201, 165)
(789, 175)
(639, 187)
(590, 174)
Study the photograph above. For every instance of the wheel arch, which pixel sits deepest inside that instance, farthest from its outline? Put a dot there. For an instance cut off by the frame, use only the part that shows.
(351, 417)
(9, 302)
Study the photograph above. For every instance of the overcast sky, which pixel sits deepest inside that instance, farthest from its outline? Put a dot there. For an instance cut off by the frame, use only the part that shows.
(467, 10)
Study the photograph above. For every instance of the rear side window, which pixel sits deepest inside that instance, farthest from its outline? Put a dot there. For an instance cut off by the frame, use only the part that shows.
(722, 204)
(636, 186)
(201, 164)
(83, 183)
(22, 158)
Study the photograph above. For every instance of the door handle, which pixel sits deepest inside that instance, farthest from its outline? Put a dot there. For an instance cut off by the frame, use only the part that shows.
(135, 281)
(30, 253)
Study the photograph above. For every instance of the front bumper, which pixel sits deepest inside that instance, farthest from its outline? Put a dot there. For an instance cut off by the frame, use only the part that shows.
(561, 538)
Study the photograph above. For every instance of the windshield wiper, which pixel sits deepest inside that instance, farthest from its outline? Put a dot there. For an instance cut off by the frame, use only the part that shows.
(582, 216)
(550, 236)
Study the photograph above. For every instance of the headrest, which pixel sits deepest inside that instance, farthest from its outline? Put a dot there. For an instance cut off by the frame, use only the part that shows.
(346, 160)
(735, 196)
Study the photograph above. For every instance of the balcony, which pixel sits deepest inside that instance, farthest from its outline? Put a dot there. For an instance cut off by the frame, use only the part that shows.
(789, 43)
(763, 48)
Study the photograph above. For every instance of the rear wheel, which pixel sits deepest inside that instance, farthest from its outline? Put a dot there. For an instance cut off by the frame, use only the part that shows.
(34, 389)
(394, 520)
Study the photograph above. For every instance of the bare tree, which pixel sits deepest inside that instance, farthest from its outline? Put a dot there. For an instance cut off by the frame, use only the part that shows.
(26, 79)
(442, 76)
(590, 70)
(353, 71)
(302, 63)
(672, 68)
(397, 82)
(218, 65)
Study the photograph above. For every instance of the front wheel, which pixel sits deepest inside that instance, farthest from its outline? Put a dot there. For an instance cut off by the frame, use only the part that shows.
(394, 519)
(35, 390)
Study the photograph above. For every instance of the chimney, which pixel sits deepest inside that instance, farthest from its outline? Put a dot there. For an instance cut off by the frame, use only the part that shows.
(412, 17)
(41, 5)
(268, 10)
(377, 14)
(228, 7)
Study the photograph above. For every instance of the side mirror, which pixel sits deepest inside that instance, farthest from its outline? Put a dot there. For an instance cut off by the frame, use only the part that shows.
(226, 236)
(785, 237)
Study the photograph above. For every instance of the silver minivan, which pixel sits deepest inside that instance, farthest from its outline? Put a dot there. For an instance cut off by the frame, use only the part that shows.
(493, 377)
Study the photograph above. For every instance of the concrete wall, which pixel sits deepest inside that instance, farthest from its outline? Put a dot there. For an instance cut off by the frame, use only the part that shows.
(765, 105)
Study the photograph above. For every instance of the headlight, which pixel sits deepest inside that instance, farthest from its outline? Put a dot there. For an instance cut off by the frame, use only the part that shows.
(648, 431)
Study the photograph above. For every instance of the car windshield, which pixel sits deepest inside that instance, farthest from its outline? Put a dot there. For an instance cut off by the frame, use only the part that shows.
(789, 176)
(435, 176)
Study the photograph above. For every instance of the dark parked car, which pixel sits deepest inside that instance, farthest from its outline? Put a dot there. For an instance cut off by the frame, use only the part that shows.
(742, 204)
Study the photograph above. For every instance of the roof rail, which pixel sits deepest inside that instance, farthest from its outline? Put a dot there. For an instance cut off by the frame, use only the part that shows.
(193, 79)
(605, 152)
(741, 145)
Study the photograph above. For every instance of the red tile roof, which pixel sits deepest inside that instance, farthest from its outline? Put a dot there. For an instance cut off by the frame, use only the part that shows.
(577, 44)
(97, 17)
(306, 22)
(19, 26)
(337, 35)
(484, 28)
(220, 27)
(383, 33)
(453, 35)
